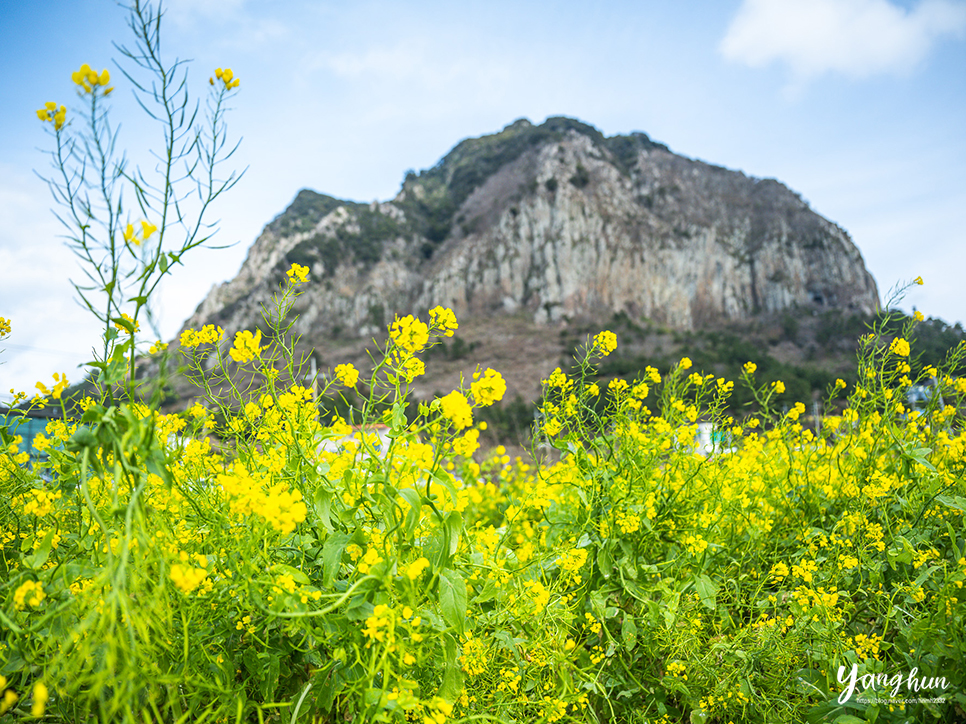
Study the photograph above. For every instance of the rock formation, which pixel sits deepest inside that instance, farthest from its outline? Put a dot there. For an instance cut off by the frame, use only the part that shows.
(555, 223)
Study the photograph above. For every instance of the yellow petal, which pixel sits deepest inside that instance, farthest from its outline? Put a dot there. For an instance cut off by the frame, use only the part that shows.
(227, 75)
(128, 232)
(108, 90)
(234, 83)
(77, 77)
(211, 81)
(104, 78)
(50, 106)
(92, 77)
(147, 229)
(42, 114)
(85, 69)
(218, 73)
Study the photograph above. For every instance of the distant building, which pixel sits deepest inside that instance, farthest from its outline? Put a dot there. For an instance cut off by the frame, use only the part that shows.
(27, 424)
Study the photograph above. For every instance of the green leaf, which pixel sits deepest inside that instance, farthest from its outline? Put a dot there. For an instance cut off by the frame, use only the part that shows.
(698, 716)
(452, 599)
(848, 719)
(332, 552)
(398, 417)
(452, 685)
(83, 437)
(952, 541)
(629, 633)
(412, 515)
(299, 576)
(604, 562)
(38, 559)
(918, 455)
(453, 523)
(322, 501)
(953, 501)
(707, 590)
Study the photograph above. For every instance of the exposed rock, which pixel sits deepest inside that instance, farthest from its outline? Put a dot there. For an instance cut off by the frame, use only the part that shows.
(559, 224)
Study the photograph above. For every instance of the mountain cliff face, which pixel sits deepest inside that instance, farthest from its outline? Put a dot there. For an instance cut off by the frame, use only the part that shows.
(552, 224)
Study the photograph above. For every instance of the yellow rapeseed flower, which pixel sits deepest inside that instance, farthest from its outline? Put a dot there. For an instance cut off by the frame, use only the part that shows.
(605, 343)
(247, 346)
(409, 333)
(899, 347)
(227, 77)
(685, 363)
(456, 409)
(443, 320)
(489, 388)
(347, 375)
(416, 568)
(778, 386)
(29, 593)
(41, 696)
(130, 323)
(10, 697)
(750, 368)
(298, 274)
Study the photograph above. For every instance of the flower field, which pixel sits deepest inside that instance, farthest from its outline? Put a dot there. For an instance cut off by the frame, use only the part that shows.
(259, 558)
(148, 576)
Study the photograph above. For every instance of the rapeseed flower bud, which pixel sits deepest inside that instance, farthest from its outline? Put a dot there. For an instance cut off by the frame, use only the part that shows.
(4, 326)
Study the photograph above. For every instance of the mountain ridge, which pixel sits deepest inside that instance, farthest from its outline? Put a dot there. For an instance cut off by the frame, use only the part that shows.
(500, 224)
(536, 234)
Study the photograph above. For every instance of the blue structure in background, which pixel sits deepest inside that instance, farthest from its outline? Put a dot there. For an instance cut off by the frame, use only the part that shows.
(27, 425)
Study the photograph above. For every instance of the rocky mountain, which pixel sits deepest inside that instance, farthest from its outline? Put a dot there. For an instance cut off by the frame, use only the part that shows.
(538, 229)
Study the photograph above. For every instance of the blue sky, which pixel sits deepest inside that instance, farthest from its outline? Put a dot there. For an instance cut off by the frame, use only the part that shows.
(859, 105)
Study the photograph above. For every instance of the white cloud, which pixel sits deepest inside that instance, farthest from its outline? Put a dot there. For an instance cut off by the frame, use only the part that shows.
(857, 38)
